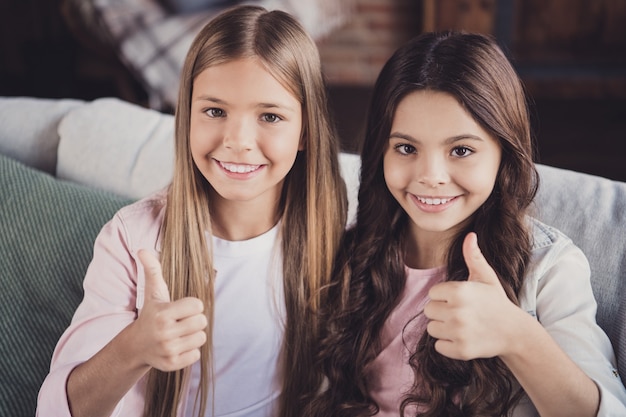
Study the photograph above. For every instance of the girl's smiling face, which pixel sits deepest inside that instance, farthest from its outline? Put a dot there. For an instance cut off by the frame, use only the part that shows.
(245, 131)
(440, 164)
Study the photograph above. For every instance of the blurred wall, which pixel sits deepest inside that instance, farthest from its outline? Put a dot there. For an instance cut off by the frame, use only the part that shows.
(562, 48)
(571, 55)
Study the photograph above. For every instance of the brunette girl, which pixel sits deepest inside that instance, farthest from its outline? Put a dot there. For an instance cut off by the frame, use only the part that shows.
(449, 299)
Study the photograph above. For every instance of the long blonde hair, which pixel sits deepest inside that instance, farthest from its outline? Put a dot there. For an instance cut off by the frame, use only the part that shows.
(313, 202)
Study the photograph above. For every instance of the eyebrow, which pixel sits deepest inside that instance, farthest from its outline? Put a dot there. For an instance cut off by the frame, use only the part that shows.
(448, 141)
(263, 105)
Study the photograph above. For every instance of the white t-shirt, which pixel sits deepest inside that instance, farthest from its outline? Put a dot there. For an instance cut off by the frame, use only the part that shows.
(248, 328)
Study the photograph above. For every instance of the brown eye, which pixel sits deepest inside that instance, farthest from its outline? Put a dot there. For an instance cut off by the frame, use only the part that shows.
(271, 118)
(461, 151)
(405, 149)
(215, 112)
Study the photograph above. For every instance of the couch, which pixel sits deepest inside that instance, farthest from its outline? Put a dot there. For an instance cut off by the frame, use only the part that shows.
(67, 165)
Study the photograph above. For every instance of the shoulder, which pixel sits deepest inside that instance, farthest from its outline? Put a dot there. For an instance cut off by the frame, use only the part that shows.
(147, 208)
(139, 223)
(554, 256)
(549, 242)
(545, 236)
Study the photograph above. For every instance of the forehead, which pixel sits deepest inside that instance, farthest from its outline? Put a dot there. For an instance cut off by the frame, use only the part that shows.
(434, 114)
(244, 79)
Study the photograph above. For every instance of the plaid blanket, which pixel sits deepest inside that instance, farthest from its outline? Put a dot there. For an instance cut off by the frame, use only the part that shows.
(152, 42)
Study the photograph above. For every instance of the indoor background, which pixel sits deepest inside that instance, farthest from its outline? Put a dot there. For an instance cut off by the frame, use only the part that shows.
(570, 54)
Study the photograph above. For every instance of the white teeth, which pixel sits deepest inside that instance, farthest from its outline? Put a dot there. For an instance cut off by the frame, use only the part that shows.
(239, 168)
(433, 201)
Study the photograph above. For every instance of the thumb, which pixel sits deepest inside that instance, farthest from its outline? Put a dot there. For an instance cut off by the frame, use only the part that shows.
(156, 288)
(479, 268)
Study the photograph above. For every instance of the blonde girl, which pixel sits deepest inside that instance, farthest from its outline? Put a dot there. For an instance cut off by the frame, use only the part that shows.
(201, 300)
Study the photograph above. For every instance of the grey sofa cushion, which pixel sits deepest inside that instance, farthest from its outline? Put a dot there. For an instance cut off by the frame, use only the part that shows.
(592, 211)
(46, 241)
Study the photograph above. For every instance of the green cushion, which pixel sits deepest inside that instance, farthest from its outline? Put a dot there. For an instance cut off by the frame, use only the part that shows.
(47, 230)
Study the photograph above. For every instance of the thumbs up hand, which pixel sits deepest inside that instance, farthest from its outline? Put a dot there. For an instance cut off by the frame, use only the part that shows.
(474, 318)
(168, 334)
(155, 287)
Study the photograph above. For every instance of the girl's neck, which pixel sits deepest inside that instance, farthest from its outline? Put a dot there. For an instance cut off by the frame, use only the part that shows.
(426, 250)
(429, 249)
(237, 221)
(423, 257)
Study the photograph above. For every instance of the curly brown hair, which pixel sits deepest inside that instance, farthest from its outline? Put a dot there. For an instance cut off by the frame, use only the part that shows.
(369, 274)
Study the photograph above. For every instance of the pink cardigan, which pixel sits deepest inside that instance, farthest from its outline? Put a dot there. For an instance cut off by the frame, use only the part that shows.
(113, 295)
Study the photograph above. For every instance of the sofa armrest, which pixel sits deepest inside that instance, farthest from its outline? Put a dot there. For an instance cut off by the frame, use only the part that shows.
(28, 129)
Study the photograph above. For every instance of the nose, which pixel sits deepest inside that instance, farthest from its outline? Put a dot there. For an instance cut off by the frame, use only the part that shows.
(432, 171)
(239, 135)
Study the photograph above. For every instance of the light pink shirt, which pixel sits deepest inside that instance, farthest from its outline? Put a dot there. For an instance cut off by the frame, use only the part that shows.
(389, 376)
(247, 338)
